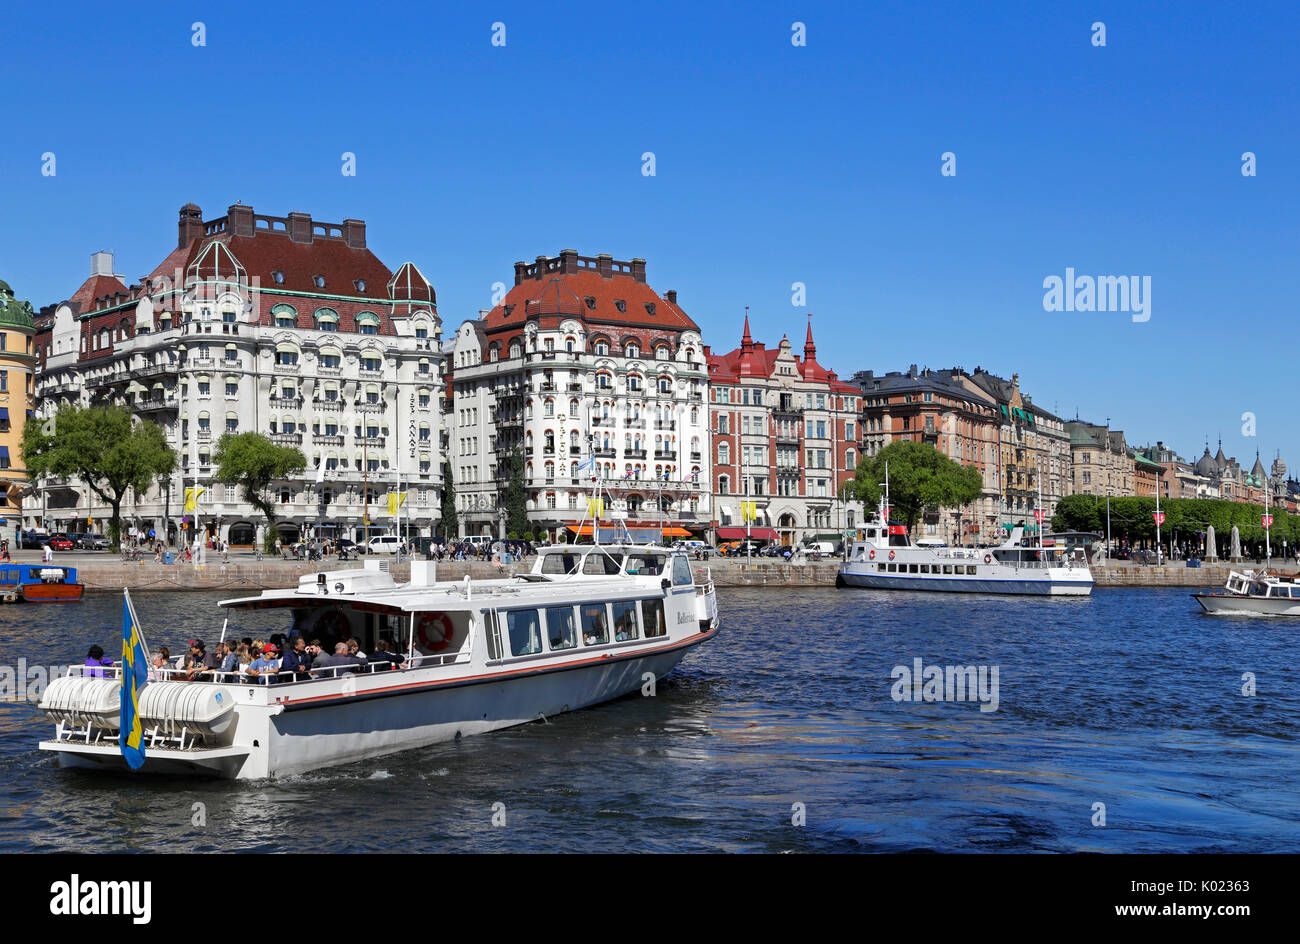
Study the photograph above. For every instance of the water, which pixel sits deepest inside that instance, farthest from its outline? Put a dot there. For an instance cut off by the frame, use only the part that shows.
(1128, 698)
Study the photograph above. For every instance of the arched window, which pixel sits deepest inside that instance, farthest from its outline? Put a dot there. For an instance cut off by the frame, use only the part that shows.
(515, 350)
(422, 329)
(367, 322)
(724, 485)
(569, 344)
(661, 352)
(632, 349)
(232, 353)
(724, 454)
(326, 319)
(424, 432)
(633, 383)
(232, 422)
(286, 353)
(372, 393)
(604, 381)
(331, 357)
(422, 366)
(205, 420)
(665, 384)
(549, 403)
(601, 347)
(284, 316)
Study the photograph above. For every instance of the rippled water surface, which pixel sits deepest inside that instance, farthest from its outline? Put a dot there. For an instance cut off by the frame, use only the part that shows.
(1129, 698)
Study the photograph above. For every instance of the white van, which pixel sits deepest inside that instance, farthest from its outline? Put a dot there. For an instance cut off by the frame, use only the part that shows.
(383, 544)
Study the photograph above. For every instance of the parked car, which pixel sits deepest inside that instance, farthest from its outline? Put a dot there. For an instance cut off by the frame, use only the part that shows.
(61, 542)
(34, 540)
(383, 544)
(349, 546)
(91, 542)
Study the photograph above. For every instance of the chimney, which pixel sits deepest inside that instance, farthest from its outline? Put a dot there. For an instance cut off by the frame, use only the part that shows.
(671, 295)
(911, 371)
(354, 233)
(101, 263)
(239, 219)
(190, 226)
(638, 270)
(568, 261)
(300, 227)
(520, 269)
(540, 263)
(605, 265)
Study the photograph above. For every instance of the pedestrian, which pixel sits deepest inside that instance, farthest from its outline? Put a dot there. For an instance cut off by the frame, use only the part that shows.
(48, 554)
(4, 550)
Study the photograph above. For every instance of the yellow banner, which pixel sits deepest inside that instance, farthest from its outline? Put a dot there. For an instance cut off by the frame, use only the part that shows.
(595, 507)
(191, 496)
(392, 503)
(749, 511)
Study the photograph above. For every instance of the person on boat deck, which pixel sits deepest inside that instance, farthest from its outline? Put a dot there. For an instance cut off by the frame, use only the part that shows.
(340, 661)
(229, 658)
(386, 656)
(297, 660)
(204, 666)
(266, 665)
(354, 650)
(95, 658)
(317, 653)
(157, 665)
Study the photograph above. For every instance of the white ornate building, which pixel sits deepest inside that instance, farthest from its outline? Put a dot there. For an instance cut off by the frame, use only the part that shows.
(581, 358)
(280, 325)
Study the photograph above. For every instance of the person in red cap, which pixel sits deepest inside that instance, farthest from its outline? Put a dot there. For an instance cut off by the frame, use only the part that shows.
(266, 665)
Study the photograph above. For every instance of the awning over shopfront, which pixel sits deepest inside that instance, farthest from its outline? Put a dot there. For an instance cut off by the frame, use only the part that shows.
(639, 533)
(738, 534)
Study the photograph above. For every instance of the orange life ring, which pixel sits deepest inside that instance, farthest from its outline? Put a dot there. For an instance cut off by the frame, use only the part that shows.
(988, 558)
(872, 555)
(434, 631)
(891, 555)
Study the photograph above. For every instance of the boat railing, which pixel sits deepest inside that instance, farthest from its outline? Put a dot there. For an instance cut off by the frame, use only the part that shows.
(282, 677)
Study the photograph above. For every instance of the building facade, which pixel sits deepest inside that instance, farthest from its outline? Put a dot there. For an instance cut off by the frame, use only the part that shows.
(17, 370)
(1101, 461)
(280, 325)
(786, 435)
(581, 360)
(942, 408)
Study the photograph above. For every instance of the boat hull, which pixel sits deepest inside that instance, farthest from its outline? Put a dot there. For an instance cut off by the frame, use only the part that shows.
(1227, 604)
(1010, 584)
(304, 735)
(52, 592)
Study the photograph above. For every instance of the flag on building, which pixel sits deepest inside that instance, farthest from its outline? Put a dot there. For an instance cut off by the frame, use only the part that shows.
(749, 511)
(587, 463)
(395, 500)
(595, 507)
(192, 495)
(135, 675)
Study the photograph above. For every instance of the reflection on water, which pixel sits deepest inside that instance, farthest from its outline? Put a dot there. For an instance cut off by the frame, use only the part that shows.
(1128, 698)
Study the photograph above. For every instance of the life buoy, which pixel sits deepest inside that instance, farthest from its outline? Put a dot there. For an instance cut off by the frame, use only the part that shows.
(891, 555)
(872, 555)
(434, 631)
(988, 558)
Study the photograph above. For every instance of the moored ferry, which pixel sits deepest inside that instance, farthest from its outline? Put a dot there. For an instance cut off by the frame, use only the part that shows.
(588, 624)
(886, 559)
(39, 583)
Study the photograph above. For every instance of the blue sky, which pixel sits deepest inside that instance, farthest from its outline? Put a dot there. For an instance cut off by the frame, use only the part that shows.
(774, 165)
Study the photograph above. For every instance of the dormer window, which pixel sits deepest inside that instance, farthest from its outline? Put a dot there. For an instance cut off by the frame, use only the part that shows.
(650, 309)
(319, 280)
(590, 302)
(277, 276)
(360, 284)
(621, 305)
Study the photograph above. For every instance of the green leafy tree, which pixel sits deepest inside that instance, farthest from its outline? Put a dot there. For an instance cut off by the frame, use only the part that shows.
(449, 524)
(920, 476)
(253, 462)
(516, 497)
(105, 447)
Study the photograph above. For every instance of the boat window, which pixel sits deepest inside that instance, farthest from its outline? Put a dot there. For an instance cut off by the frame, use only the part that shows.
(599, 563)
(560, 630)
(595, 624)
(880, 566)
(525, 632)
(493, 636)
(911, 568)
(681, 572)
(559, 563)
(646, 564)
(625, 621)
(893, 568)
(970, 568)
(925, 568)
(652, 617)
(947, 568)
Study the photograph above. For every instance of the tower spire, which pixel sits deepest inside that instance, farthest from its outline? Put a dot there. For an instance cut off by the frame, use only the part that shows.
(809, 348)
(746, 342)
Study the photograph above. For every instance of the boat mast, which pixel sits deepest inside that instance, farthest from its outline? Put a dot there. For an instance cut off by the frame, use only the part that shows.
(1159, 551)
(1268, 545)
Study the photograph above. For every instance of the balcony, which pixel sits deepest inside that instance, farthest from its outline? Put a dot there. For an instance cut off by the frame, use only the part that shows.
(603, 453)
(664, 454)
(634, 424)
(546, 387)
(152, 405)
(365, 406)
(634, 453)
(279, 368)
(152, 370)
(327, 405)
(205, 432)
(283, 439)
(370, 374)
(665, 424)
(326, 439)
(697, 396)
(324, 371)
(695, 457)
(787, 439)
(372, 442)
(575, 450)
(286, 403)
(574, 388)
(602, 421)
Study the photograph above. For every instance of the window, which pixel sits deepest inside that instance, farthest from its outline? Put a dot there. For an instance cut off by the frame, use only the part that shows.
(277, 276)
(371, 363)
(625, 620)
(524, 631)
(284, 316)
(424, 396)
(232, 422)
(422, 331)
(327, 319)
(595, 624)
(652, 617)
(232, 353)
(561, 632)
(286, 355)
(681, 572)
(205, 386)
(368, 322)
(318, 281)
(360, 284)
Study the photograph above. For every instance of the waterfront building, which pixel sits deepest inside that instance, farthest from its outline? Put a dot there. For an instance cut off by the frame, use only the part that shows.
(1226, 478)
(1101, 463)
(959, 419)
(17, 366)
(786, 436)
(581, 359)
(286, 326)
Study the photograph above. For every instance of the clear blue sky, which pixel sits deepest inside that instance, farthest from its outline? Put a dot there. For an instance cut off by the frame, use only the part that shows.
(774, 165)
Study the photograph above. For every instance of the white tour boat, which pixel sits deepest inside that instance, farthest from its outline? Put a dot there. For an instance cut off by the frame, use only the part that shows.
(588, 624)
(1253, 593)
(885, 559)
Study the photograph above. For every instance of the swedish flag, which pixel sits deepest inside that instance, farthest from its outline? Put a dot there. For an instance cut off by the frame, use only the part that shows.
(135, 675)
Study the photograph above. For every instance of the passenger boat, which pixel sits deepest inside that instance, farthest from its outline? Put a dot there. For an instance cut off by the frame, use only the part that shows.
(1253, 593)
(39, 583)
(886, 559)
(586, 625)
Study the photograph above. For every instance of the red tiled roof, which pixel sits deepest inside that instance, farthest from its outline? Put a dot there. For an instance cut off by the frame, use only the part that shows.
(83, 299)
(565, 294)
(756, 360)
(266, 252)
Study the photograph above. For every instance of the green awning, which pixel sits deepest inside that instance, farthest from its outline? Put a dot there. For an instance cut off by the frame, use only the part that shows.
(1003, 409)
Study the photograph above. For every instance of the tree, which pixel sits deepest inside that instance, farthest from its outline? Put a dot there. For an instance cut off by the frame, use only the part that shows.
(920, 476)
(516, 496)
(253, 462)
(449, 524)
(105, 447)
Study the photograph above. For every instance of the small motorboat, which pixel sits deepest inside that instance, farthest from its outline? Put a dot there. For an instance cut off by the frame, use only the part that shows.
(1253, 593)
(39, 583)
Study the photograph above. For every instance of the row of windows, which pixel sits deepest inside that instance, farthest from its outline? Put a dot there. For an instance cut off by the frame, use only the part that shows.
(883, 567)
(561, 628)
